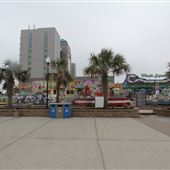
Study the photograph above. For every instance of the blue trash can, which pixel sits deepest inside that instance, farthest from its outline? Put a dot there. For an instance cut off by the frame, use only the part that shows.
(67, 110)
(53, 110)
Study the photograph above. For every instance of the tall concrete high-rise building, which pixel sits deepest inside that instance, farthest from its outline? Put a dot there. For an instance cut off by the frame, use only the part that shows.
(66, 52)
(73, 69)
(35, 46)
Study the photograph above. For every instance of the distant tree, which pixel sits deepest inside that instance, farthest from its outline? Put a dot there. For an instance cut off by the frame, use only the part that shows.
(61, 75)
(9, 73)
(168, 72)
(104, 63)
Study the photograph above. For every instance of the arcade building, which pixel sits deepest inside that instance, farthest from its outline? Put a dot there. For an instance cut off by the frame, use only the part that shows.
(155, 89)
(135, 83)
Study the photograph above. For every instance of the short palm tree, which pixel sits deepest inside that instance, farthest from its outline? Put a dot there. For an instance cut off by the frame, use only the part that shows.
(9, 73)
(102, 64)
(61, 75)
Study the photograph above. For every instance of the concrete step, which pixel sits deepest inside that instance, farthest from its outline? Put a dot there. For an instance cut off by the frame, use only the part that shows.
(146, 112)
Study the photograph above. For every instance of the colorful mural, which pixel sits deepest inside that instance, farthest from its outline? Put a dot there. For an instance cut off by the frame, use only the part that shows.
(37, 87)
(84, 88)
(91, 88)
(41, 86)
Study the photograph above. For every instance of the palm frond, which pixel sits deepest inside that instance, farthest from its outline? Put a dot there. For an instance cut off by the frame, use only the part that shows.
(119, 65)
(60, 68)
(91, 71)
(93, 59)
(23, 76)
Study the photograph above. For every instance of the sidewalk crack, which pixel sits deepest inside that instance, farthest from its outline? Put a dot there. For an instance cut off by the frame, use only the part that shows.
(98, 143)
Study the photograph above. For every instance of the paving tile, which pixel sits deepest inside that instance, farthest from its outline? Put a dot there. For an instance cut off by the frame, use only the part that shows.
(52, 154)
(6, 141)
(136, 155)
(73, 128)
(20, 126)
(127, 129)
(124, 143)
(4, 119)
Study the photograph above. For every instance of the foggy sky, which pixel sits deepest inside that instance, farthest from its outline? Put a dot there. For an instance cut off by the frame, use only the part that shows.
(139, 31)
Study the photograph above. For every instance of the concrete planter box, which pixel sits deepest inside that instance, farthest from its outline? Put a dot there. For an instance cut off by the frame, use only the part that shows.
(162, 111)
(94, 112)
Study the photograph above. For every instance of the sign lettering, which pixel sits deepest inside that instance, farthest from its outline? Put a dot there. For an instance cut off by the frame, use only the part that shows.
(153, 75)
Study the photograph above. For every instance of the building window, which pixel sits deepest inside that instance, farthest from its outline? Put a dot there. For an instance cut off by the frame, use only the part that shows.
(29, 69)
(45, 51)
(29, 58)
(45, 45)
(30, 34)
(29, 63)
(30, 40)
(45, 37)
(45, 56)
(30, 37)
(46, 40)
(45, 69)
(29, 51)
(29, 45)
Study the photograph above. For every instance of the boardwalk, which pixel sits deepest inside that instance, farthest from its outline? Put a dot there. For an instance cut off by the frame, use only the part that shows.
(84, 143)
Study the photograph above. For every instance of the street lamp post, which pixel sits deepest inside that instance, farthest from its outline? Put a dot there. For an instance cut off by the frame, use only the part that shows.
(48, 63)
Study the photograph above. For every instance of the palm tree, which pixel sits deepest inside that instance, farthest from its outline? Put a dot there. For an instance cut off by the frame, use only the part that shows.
(61, 75)
(9, 73)
(102, 64)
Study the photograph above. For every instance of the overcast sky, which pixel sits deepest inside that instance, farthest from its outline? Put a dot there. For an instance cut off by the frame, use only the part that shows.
(139, 31)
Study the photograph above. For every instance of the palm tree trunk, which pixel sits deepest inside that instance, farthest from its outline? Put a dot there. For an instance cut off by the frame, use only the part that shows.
(105, 89)
(10, 89)
(57, 92)
(10, 101)
(113, 80)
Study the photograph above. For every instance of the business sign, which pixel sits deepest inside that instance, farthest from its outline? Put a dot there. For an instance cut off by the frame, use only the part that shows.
(144, 75)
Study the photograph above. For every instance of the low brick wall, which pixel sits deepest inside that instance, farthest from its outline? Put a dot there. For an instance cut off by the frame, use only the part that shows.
(76, 112)
(162, 111)
(94, 112)
(31, 112)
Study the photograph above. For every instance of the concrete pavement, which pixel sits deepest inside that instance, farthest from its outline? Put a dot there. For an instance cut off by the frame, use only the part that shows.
(159, 123)
(81, 143)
